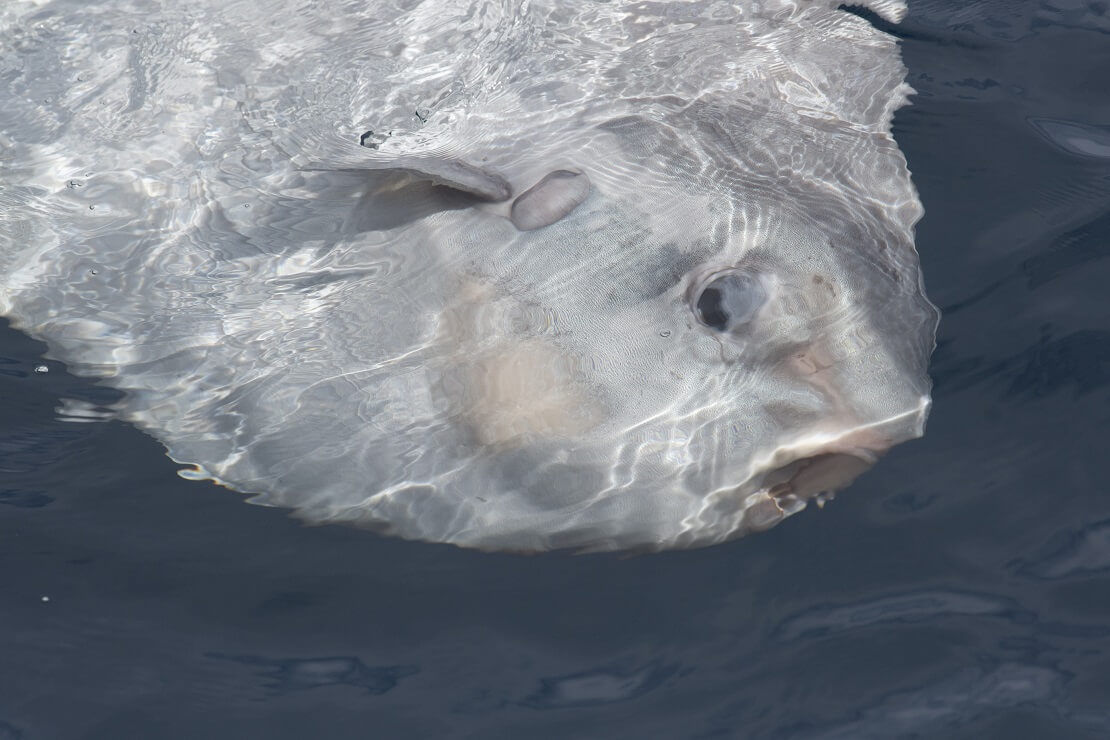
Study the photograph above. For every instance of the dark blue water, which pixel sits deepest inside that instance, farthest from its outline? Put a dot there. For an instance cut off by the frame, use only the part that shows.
(959, 590)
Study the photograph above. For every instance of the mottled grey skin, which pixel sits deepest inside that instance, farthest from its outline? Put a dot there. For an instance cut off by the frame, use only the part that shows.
(630, 279)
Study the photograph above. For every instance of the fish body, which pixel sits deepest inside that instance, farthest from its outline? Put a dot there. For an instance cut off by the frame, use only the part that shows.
(511, 275)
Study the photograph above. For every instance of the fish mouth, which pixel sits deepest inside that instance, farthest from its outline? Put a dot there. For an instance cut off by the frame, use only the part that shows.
(811, 472)
(821, 463)
(820, 476)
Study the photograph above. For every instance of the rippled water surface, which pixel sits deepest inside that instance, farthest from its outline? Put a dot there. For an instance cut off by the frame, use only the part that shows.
(959, 589)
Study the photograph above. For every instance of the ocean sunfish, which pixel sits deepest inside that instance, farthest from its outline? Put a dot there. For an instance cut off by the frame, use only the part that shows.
(509, 275)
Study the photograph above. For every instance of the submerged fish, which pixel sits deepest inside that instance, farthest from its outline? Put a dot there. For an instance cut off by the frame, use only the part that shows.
(517, 275)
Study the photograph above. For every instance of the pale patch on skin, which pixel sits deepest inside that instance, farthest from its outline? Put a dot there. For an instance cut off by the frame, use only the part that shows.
(525, 391)
(511, 391)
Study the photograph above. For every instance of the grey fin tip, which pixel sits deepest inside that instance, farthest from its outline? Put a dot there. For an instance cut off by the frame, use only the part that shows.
(459, 175)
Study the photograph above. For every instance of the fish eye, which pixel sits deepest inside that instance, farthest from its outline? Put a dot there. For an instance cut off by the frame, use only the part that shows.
(730, 300)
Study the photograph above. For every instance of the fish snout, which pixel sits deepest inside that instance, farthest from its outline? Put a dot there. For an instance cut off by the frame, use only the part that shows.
(811, 471)
(821, 475)
(818, 468)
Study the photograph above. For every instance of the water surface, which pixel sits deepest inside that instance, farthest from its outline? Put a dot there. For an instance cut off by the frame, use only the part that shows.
(958, 590)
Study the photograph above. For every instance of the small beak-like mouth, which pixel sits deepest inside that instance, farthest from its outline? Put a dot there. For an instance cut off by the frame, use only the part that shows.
(817, 466)
(827, 458)
(811, 471)
(819, 476)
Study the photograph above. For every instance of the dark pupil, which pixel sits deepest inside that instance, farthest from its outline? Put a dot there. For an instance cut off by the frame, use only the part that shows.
(709, 307)
(730, 301)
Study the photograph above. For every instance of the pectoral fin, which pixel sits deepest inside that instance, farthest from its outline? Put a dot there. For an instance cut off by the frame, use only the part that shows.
(549, 200)
(332, 153)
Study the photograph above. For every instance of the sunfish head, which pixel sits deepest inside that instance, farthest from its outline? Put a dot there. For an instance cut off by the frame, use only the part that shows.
(656, 357)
